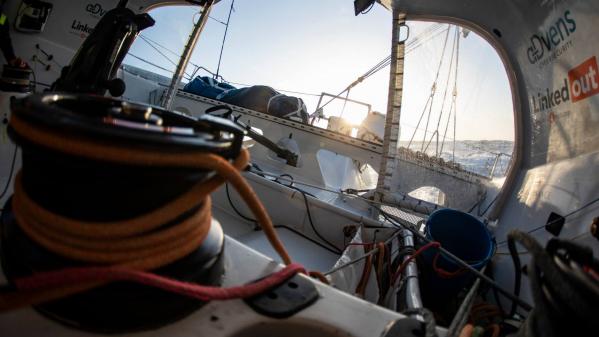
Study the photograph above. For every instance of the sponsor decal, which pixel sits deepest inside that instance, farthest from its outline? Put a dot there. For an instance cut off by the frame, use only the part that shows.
(550, 42)
(582, 82)
(96, 10)
(80, 28)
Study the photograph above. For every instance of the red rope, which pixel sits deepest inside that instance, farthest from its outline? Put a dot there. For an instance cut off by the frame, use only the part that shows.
(70, 276)
(589, 270)
(412, 257)
(444, 273)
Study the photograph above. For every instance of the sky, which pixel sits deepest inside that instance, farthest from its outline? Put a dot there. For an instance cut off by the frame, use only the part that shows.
(314, 46)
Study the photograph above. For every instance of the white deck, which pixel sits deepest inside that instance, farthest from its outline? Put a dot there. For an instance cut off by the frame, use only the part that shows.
(303, 251)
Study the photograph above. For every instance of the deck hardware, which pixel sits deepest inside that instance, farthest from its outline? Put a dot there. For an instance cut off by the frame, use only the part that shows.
(286, 299)
(555, 223)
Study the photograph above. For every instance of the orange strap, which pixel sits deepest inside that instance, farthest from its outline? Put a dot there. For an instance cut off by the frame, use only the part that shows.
(382, 250)
(361, 287)
(320, 276)
(141, 250)
(467, 330)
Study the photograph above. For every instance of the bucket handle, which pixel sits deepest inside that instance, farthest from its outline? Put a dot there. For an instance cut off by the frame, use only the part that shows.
(444, 273)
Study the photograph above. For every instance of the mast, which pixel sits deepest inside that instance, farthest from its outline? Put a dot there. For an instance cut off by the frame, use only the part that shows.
(184, 59)
(391, 136)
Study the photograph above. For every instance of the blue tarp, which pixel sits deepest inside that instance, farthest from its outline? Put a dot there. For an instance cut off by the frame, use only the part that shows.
(207, 87)
(258, 97)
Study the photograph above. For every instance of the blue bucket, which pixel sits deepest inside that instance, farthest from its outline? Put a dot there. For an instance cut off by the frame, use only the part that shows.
(464, 236)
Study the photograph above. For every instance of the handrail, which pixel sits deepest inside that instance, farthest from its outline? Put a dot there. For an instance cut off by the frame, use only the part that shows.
(323, 94)
(318, 113)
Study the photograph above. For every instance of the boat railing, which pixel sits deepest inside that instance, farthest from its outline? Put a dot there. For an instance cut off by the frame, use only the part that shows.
(496, 164)
(319, 111)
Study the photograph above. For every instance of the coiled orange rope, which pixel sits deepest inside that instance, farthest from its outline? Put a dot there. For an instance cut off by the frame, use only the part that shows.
(137, 243)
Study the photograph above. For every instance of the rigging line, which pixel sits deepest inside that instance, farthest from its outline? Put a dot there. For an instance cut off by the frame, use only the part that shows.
(453, 106)
(477, 203)
(382, 64)
(245, 217)
(345, 102)
(408, 51)
(424, 109)
(161, 53)
(272, 175)
(319, 244)
(442, 54)
(420, 120)
(309, 213)
(410, 46)
(365, 255)
(420, 40)
(222, 46)
(435, 84)
(170, 51)
(158, 50)
(573, 238)
(159, 45)
(431, 140)
(217, 20)
(451, 109)
(431, 29)
(338, 192)
(151, 44)
(590, 203)
(410, 258)
(455, 93)
(150, 63)
(430, 109)
(429, 100)
(339, 94)
(445, 92)
(386, 61)
(425, 35)
(428, 33)
(424, 41)
(198, 68)
(278, 179)
(241, 215)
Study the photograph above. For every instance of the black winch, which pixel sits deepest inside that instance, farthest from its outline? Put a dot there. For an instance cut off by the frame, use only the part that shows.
(93, 190)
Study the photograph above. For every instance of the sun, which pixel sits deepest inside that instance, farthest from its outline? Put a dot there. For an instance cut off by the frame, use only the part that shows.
(354, 117)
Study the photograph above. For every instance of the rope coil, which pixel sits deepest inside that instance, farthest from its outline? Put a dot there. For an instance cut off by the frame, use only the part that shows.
(139, 244)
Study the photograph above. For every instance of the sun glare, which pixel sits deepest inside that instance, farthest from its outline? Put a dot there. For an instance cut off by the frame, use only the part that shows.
(354, 117)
